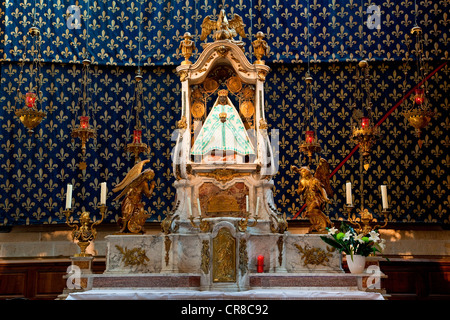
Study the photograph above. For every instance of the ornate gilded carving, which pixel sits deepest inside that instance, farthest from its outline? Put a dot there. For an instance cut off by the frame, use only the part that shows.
(205, 256)
(167, 245)
(243, 256)
(280, 244)
(224, 29)
(182, 124)
(133, 257)
(315, 256)
(167, 224)
(187, 46)
(223, 175)
(224, 256)
(234, 84)
(278, 222)
(260, 47)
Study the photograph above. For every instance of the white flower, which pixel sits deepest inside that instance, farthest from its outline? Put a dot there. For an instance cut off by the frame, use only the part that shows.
(332, 231)
(382, 244)
(359, 238)
(374, 236)
(347, 236)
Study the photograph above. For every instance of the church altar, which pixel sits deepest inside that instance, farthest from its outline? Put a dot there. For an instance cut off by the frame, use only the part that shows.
(225, 238)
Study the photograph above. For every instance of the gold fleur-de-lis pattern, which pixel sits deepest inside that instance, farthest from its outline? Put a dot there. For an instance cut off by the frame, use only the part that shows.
(119, 34)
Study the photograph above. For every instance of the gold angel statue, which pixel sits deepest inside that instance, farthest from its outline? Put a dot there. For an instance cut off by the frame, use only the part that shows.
(224, 29)
(316, 191)
(133, 187)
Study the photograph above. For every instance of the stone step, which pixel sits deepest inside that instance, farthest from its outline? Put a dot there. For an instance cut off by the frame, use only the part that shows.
(303, 280)
(145, 280)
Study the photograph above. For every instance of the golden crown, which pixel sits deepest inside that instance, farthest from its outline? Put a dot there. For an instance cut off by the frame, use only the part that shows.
(223, 93)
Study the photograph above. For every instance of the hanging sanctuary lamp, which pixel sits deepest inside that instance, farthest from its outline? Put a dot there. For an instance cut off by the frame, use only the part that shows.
(417, 110)
(83, 129)
(364, 131)
(310, 144)
(30, 115)
(137, 146)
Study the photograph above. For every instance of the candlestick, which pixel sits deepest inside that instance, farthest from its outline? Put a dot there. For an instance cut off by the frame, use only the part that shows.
(348, 187)
(103, 191)
(260, 264)
(384, 196)
(189, 206)
(246, 204)
(257, 206)
(199, 208)
(69, 196)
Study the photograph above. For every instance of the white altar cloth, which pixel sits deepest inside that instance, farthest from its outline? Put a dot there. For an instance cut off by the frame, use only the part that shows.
(258, 294)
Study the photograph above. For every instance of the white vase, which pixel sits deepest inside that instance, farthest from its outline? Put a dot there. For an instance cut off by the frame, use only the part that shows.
(358, 264)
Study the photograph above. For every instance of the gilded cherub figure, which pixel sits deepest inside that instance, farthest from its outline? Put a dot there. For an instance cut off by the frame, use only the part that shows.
(133, 187)
(260, 47)
(316, 191)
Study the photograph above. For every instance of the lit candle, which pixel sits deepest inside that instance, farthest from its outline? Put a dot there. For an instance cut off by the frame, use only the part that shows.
(257, 206)
(364, 122)
(137, 136)
(84, 122)
(69, 196)
(309, 136)
(246, 203)
(189, 206)
(103, 193)
(348, 187)
(384, 197)
(30, 99)
(260, 264)
(199, 208)
(418, 96)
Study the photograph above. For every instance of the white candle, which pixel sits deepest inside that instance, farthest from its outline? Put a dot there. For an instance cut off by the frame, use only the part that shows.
(384, 196)
(199, 208)
(189, 206)
(246, 203)
(257, 206)
(69, 196)
(103, 191)
(348, 188)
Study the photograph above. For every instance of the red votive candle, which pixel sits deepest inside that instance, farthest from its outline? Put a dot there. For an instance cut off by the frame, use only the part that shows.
(418, 96)
(137, 136)
(309, 136)
(365, 122)
(260, 264)
(30, 99)
(84, 122)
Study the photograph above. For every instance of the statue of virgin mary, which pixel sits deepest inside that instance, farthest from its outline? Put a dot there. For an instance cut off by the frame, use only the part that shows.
(223, 130)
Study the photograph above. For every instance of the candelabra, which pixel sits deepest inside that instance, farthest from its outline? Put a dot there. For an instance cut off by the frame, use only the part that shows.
(366, 220)
(364, 223)
(83, 232)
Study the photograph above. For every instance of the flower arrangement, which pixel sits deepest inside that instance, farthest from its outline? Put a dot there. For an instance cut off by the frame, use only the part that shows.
(347, 240)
